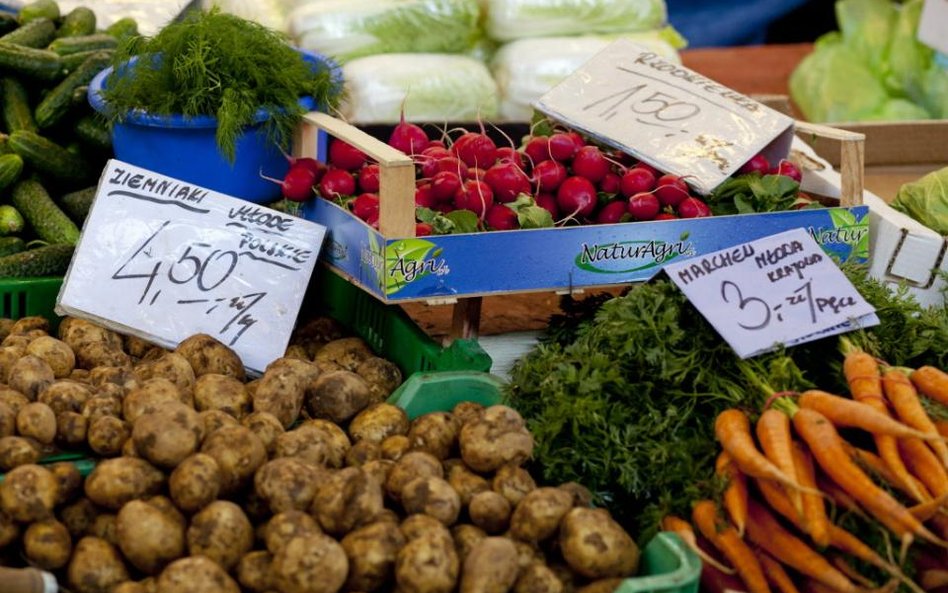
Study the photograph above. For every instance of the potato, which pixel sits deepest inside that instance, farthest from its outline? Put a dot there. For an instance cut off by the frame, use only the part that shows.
(467, 411)
(100, 354)
(29, 493)
(238, 452)
(378, 422)
(538, 514)
(107, 435)
(312, 444)
(78, 516)
(9, 355)
(285, 526)
(129, 587)
(17, 451)
(466, 483)
(6, 326)
(30, 375)
(65, 395)
(9, 530)
(136, 346)
(71, 429)
(214, 419)
(595, 546)
(280, 392)
(222, 532)
(314, 563)
(346, 499)
(206, 355)
(47, 544)
(432, 496)
(363, 452)
(195, 483)
(12, 398)
(383, 377)
(395, 447)
(337, 396)
(150, 394)
(498, 438)
(113, 482)
(286, 483)
(338, 439)
(378, 469)
(253, 571)
(195, 574)
(582, 497)
(320, 329)
(296, 352)
(266, 426)
(168, 435)
(167, 506)
(538, 578)
(148, 537)
(37, 421)
(421, 525)
(95, 567)
(427, 564)
(214, 391)
(490, 567)
(118, 375)
(415, 464)
(327, 366)
(490, 511)
(128, 449)
(68, 478)
(436, 433)
(302, 366)
(7, 420)
(101, 405)
(57, 354)
(29, 323)
(371, 550)
(601, 586)
(513, 482)
(465, 536)
(80, 376)
(105, 526)
(348, 352)
(76, 332)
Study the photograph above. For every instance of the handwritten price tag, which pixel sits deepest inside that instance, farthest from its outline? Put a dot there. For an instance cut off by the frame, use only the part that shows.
(667, 115)
(779, 290)
(162, 259)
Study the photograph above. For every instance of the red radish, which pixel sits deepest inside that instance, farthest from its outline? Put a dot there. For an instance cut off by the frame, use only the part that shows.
(507, 182)
(437, 144)
(644, 206)
(368, 178)
(423, 196)
(670, 189)
(636, 180)
(336, 182)
(428, 160)
(576, 196)
(610, 184)
(423, 229)
(365, 205)
(343, 155)
(508, 154)
(317, 167)
(622, 158)
(612, 212)
(757, 164)
(444, 207)
(475, 149)
(549, 175)
(590, 163)
(501, 218)
(692, 207)
(476, 173)
(452, 164)
(787, 168)
(548, 203)
(537, 149)
(373, 221)
(444, 185)
(475, 196)
(562, 146)
(665, 216)
(408, 137)
(297, 184)
(648, 167)
(578, 139)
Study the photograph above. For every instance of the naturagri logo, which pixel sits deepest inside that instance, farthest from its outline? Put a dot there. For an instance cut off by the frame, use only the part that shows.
(647, 254)
(410, 259)
(847, 239)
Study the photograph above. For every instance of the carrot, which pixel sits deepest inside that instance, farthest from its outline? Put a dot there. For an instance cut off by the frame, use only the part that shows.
(924, 464)
(839, 497)
(924, 511)
(901, 392)
(775, 573)
(848, 413)
(815, 520)
(844, 567)
(686, 533)
(881, 469)
(725, 539)
(942, 426)
(773, 434)
(827, 447)
(933, 578)
(765, 531)
(931, 381)
(735, 494)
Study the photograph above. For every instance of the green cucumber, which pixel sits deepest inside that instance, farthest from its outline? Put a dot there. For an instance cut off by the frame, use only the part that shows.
(48, 220)
(11, 245)
(8, 22)
(122, 28)
(94, 131)
(78, 21)
(11, 165)
(46, 156)
(48, 260)
(71, 45)
(36, 33)
(39, 9)
(11, 221)
(77, 204)
(73, 61)
(58, 102)
(16, 111)
(41, 64)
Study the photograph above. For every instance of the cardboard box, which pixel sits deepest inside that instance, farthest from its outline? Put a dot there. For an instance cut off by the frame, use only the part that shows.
(395, 266)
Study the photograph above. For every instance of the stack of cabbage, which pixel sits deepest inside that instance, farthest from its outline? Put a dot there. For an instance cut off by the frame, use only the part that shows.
(874, 68)
(433, 58)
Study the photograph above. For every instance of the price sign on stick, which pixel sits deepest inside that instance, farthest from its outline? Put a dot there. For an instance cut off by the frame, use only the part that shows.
(779, 290)
(162, 259)
(667, 115)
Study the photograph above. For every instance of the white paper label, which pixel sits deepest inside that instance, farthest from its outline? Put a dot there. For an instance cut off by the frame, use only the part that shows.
(933, 25)
(778, 290)
(163, 259)
(671, 117)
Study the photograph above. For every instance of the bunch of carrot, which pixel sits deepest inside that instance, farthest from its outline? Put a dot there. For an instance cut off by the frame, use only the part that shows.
(817, 459)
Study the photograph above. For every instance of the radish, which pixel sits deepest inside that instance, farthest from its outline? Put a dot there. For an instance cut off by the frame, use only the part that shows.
(423, 229)
(437, 144)
(452, 164)
(428, 160)
(610, 184)
(576, 196)
(590, 163)
(549, 175)
(636, 180)
(317, 167)
(423, 196)
(343, 155)
(475, 196)
(507, 182)
(373, 221)
(562, 146)
(537, 150)
(692, 207)
(670, 189)
(475, 149)
(336, 182)
(368, 178)
(444, 185)
(578, 139)
(648, 167)
(612, 213)
(665, 216)
(476, 173)
(790, 170)
(501, 218)
(548, 203)
(757, 164)
(408, 137)
(365, 205)
(297, 184)
(508, 154)
(644, 206)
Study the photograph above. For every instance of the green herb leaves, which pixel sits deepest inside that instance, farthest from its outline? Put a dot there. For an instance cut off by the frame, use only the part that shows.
(753, 192)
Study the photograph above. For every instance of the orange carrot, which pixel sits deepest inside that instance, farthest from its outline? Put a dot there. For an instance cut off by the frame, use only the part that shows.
(845, 412)
(839, 497)
(735, 494)
(725, 539)
(942, 426)
(931, 381)
(815, 520)
(881, 469)
(776, 498)
(827, 447)
(765, 531)
(925, 465)
(686, 533)
(933, 578)
(901, 392)
(844, 567)
(924, 511)
(773, 434)
(775, 573)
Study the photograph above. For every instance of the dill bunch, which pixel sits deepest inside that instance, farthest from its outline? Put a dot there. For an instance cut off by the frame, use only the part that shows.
(211, 63)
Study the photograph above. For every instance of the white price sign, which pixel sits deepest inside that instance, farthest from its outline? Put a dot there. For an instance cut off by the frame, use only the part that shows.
(667, 115)
(163, 259)
(778, 290)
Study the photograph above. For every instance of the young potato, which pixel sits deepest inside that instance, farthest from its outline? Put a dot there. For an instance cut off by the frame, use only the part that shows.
(513, 482)
(490, 567)
(266, 426)
(65, 395)
(137, 347)
(467, 411)
(338, 439)
(538, 578)
(415, 464)
(100, 354)
(17, 451)
(302, 366)
(119, 375)
(76, 332)
(214, 391)
(214, 419)
(465, 536)
(222, 532)
(436, 433)
(57, 354)
(427, 564)
(378, 422)
(346, 499)
(312, 444)
(102, 405)
(498, 438)
(285, 526)
(538, 514)
(37, 421)
(129, 587)
(296, 352)
(47, 544)
(371, 550)
(150, 394)
(238, 452)
(378, 469)
(253, 571)
(601, 586)
(337, 396)
(12, 397)
(148, 537)
(6, 326)
(195, 574)
(9, 530)
(280, 392)
(7, 420)
(168, 435)
(286, 483)
(30, 323)
(30, 375)
(490, 511)
(383, 377)
(465, 482)
(595, 546)
(171, 366)
(29, 493)
(348, 353)
(421, 525)
(395, 447)
(432, 496)
(195, 483)
(17, 342)
(95, 566)
(80, 376)
(314, 563)
(113, 482)
(78, 517)
(107, 435)
(68, 478)
(362, 452)
(104, 526)
(320, 329)
(206, 354)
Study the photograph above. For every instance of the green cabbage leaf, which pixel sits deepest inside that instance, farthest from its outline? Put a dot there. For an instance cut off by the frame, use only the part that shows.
(517, 19)
(926, 200)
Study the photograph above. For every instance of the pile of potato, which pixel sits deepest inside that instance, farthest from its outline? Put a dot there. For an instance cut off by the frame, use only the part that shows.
(303, 480)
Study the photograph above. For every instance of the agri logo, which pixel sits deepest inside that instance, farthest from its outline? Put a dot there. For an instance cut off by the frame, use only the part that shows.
(847, 239)
(411, 259)
(631, 256)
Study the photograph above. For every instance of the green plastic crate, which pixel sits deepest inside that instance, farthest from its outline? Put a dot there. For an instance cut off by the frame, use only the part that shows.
(23, 297)
(668, 565)
(440, 391)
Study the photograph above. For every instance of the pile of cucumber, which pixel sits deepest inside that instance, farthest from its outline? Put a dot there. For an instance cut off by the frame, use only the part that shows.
(53, 146)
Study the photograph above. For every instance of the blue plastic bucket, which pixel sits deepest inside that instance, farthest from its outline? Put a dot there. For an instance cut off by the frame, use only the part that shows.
(186, 147)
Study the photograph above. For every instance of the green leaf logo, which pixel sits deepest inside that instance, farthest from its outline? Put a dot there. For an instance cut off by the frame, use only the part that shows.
(406, 261)
(842, 218)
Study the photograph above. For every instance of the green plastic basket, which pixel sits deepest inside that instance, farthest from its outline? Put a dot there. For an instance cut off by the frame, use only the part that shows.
(668, 565)
(24, 297)
(440, 391)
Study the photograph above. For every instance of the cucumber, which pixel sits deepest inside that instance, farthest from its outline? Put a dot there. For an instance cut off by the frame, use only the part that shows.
(49, 222)
(39, 9)
(58, 102)
(41, 64)
(8, 22)
(122, 28)
(46, 156)
(11, 245)
(36, 33)
(11, 165)
(5, 145)
(77, 204)
(48, 260)
(71, 45)
(11, 221)
(94, 131)
(73, 61)
(17, 113)
(78, 21)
